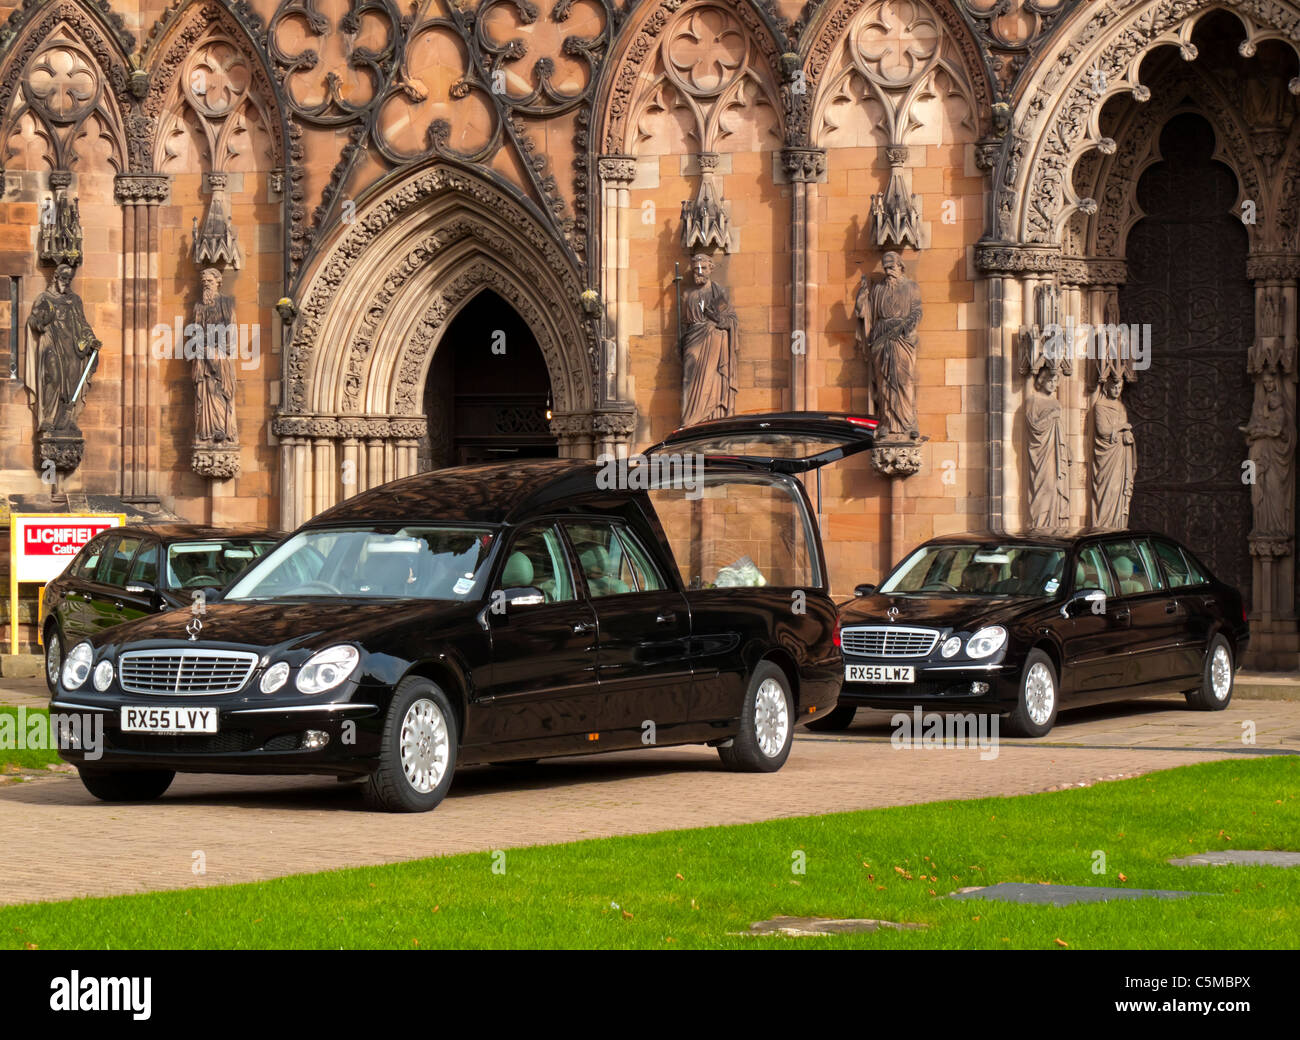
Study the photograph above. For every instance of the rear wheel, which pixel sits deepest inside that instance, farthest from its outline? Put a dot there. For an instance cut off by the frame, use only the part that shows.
(1035, 711)
(417, 754)
(53, 657)
(838, 718)
(1215, 691)
(142, 785)
(766, 724)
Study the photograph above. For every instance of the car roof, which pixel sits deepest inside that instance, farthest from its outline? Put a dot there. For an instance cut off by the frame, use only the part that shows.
(173, 532)
(1057, 539)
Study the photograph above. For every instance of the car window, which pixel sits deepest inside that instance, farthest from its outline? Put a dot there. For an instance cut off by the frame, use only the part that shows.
(1130, 571)
(1175, 566)
(1153, 568)
(117, 563)
(1195, 574)
(646, 572)
(985, 570)
(739, 531)
(88, 559)
(1091, 572)
(145, 569)
(604, 563)
(536, 558)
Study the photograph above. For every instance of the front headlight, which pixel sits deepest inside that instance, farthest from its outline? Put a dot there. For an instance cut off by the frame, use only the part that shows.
(986, 641)
(103, 675)
(325, 670)
(76, 666)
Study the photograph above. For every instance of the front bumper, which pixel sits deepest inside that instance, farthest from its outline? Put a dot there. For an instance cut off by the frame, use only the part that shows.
(971, 684)
(254, 736)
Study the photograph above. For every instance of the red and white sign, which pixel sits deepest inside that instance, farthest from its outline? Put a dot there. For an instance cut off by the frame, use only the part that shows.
(43, 545)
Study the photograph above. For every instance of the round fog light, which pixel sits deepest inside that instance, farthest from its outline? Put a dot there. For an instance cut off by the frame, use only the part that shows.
(950, 646)
(103, 675)
(315, 739)
(274, 677)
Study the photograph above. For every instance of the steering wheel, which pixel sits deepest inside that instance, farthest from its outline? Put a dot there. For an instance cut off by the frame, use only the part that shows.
(200, 580)
(305, 586)
(939, 586)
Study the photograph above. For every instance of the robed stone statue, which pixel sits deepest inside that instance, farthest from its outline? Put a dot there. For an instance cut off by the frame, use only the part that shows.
(1049, 455)
(65, 348)
(214, 368)
(1270, 434)
(1114, 457)
(887, 315)
(710, 347)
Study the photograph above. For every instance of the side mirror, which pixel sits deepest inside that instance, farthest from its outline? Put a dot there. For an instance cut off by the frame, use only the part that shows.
(523, 596)
(1094, 599)
(864, 590)
(142, 589)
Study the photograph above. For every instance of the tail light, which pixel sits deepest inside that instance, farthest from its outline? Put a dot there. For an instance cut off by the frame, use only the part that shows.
(836, 637)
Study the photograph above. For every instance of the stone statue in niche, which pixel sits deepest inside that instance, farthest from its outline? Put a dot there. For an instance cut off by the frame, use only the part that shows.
(1114, 457)
(1270, 434)
(214, 368)
(886, 318)
(710, 348)
(1049, 455)
(63, 353)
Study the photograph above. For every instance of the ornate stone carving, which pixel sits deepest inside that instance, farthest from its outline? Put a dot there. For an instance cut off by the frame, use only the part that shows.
(804, 164)
(1003, 259)
(617, 169)
(706, 224)
(141, 187)
(710, 348)
(58, 240)
(1271, 437)
(614, 424)
(215, 463)
(895, 213)
(897, 460)
(545, 60)
(217, 241)
(62, 355)
(887, 316)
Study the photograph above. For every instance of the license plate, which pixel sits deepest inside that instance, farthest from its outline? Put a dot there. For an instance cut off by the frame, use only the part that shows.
(881, 673)
(169, 720)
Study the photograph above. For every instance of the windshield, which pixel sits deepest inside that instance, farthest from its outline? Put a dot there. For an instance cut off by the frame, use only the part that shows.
(212, 563)
(417, 562)
(979, 570)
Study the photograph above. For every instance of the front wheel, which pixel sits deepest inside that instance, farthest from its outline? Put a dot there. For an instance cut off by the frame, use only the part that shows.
(1035, 711)
(838, 718)
(417, 754)
(122, 785)
(1215, 690)
(53, 658)
(766, 724)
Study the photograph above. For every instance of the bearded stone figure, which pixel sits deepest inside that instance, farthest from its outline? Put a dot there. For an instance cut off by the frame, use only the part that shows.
(1049, 455)
(1271, 437)
(710, 346)
(1114, 457)
(214, 368)
(65, 346)
(888, 314)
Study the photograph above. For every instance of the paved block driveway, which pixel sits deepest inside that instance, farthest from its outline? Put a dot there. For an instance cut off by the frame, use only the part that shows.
(58, 842)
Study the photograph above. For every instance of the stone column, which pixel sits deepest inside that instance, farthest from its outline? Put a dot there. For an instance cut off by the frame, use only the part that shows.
(804, 168)
(140, 195)
(616, 175)
(613, 433)
(574, 432)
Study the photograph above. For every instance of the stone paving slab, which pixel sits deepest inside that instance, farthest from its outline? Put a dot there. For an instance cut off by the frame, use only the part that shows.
(1065, 895)
(1240, 858)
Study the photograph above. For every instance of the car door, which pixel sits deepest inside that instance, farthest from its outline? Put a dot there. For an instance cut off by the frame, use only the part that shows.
(1141, 605)
(1095, 636)
(76, 584)
(541, 682)
(1195, 608)
(107, 603)
(140, 596)
(644, 625)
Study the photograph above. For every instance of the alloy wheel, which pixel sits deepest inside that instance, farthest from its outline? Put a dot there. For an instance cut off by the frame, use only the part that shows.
(771, 718)
(424, 745)
(1040, 693)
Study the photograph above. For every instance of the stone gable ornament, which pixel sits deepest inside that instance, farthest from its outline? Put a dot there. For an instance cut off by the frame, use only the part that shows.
(62, 354)
(706, 224)
(216, 242)
(58, 238)
(710, 348)
(895, 219)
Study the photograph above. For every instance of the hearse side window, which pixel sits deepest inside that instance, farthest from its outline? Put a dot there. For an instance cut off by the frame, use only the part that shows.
(536, 558)
(604, 563)
(1130, 571)
(647, 574)
(1153, 568)
(735, 531)
(1195, 576)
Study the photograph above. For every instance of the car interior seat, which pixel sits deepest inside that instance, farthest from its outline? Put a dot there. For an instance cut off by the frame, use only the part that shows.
(1129, 582)
(518, 572)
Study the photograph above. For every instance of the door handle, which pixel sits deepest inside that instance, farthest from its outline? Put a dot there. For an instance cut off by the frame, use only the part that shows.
(119, 604)
(1123, 615)
(582, 627)
(1171, 608)
(666, 618)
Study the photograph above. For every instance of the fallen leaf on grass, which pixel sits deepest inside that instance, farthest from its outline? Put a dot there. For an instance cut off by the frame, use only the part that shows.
(1060, 942)
(679, 877)
(627, 915)
(1123, 877)
(30, 946)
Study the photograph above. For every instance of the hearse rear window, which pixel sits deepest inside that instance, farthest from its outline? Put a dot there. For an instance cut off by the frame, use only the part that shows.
(738, 532)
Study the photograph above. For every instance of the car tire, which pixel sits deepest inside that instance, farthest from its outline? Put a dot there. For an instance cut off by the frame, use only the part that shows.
(127, 785)
(417, 754)
(766, 724)
(838, 718)
(1215, 691)
(53, 657)
(1039, 698)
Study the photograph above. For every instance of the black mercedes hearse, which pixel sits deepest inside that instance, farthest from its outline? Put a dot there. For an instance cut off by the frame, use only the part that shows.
(496, 613)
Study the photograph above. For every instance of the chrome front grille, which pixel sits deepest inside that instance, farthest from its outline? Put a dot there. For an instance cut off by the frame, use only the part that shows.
(185, 673)
(889, 641)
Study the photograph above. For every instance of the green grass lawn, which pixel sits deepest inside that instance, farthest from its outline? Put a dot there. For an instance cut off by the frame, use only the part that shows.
(694, 888)
(11, 757)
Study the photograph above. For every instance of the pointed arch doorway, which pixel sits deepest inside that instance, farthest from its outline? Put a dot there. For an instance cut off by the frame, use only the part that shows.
(487, 396)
